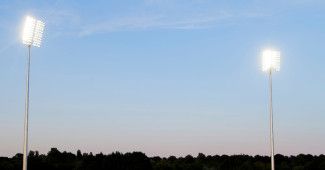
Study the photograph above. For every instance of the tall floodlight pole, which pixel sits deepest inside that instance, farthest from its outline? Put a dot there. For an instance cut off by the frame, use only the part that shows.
(32, 36)
(270, 63)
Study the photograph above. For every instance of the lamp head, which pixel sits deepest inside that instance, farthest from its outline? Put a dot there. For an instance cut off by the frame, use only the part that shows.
(33, 32)
(270, 60)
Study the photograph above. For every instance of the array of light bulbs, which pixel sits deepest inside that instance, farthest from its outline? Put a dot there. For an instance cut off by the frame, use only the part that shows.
(33, 32)
(270, 60)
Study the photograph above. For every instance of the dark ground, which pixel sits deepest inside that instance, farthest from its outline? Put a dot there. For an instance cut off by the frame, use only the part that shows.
(56, 160)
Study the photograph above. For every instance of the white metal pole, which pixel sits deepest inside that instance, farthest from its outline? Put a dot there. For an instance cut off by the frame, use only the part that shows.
(26, 112)
(271, 121)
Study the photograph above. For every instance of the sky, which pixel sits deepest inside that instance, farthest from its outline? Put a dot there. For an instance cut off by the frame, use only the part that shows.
(164, 77)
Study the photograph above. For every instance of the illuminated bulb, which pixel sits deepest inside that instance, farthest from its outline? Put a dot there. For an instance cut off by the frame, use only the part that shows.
(270, 60)
(33, 32)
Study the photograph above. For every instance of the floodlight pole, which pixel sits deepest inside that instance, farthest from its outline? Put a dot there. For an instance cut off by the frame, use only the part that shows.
(271, 120)
(26, 111)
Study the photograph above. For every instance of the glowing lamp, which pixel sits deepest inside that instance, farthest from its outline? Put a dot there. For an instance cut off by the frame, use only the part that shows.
(270, 60)
(33, 32)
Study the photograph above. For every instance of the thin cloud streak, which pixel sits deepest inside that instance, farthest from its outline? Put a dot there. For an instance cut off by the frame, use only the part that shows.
(8, 46)
(150, 22)
(61, 22)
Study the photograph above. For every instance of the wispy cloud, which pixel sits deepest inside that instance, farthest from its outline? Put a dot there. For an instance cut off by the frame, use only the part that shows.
(126, 23)
(148, 22)
(7, 46)
(61, 22)
(154, 14)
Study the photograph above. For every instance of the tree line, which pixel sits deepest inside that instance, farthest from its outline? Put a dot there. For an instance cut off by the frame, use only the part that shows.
(56, 160)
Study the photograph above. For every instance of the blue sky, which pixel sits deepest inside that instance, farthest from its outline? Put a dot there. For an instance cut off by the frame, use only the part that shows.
(165, 77)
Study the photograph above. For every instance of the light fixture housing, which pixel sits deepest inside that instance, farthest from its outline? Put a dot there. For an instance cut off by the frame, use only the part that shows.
(270, 60)
(33, 32)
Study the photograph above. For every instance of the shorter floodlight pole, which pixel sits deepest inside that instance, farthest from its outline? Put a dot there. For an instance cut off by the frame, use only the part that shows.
(271, 120)
(271, 62)
(26, 112)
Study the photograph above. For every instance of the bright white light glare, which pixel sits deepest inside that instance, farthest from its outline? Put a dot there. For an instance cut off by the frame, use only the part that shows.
(270, 60)
(33, 32)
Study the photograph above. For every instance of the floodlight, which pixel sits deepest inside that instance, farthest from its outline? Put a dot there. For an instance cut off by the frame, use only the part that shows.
(270, 63)
(271, 60)
(33, 32)
(32, 36)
